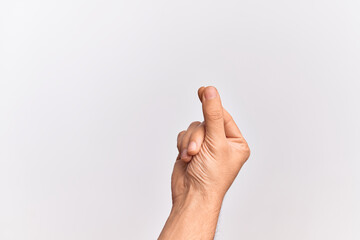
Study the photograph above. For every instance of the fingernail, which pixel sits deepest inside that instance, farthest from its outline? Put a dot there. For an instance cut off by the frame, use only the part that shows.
(192, 146)
(210, 93)
(184, 154)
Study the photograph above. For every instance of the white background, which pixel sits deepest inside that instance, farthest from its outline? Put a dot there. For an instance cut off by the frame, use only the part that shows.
(93, 94)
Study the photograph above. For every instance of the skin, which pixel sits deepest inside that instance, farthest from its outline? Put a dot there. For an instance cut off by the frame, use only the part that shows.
(211, 153)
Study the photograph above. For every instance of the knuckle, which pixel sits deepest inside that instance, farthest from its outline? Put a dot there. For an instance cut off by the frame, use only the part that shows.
(246, 151)
(199, 134)
(215, 114)
(194, 124)
(184, 142)
(180, 134)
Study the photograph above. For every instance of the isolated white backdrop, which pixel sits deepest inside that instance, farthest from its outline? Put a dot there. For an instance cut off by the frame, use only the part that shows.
(93, 94)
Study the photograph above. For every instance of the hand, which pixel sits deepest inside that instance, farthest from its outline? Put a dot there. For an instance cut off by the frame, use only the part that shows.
(210, 156)
(210, 153)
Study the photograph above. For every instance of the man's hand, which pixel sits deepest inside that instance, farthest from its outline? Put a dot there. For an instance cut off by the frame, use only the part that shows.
(210, 156)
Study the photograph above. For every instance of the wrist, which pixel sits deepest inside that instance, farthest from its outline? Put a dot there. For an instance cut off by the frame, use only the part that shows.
(195, 201)
(193, 215)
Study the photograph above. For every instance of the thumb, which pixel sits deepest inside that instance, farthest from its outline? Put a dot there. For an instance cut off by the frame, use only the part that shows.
(213, 112)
